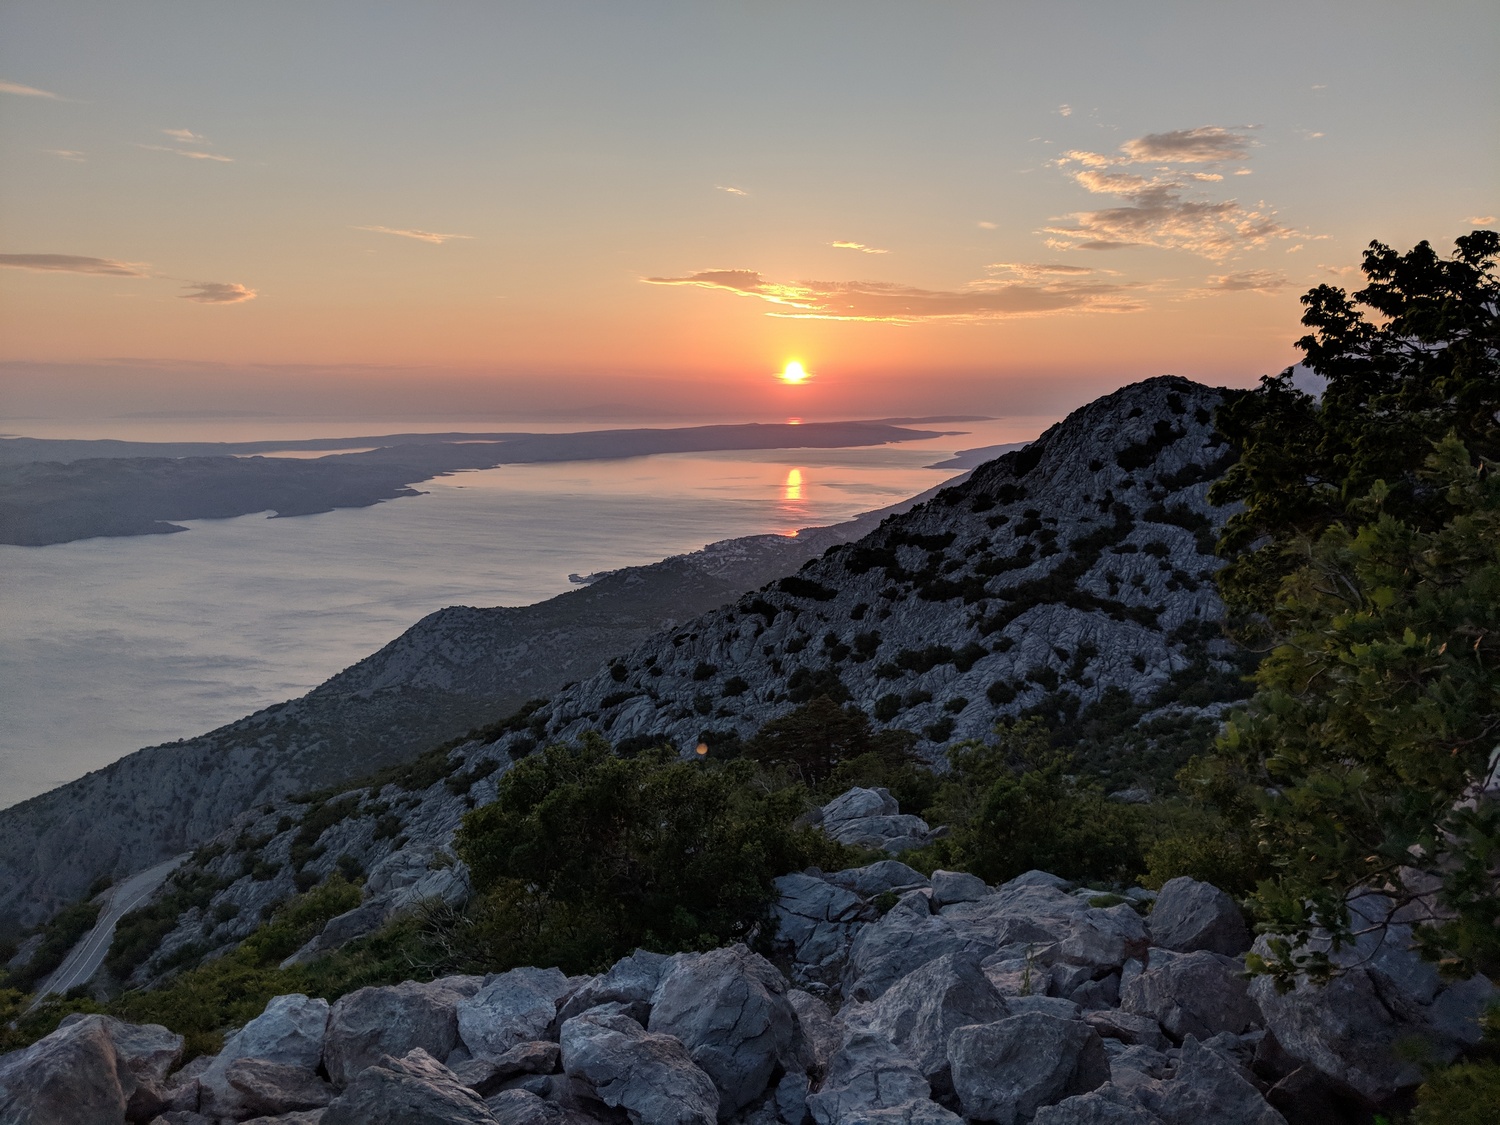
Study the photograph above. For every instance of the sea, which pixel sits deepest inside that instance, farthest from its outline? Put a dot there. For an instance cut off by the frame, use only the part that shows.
(112, 644)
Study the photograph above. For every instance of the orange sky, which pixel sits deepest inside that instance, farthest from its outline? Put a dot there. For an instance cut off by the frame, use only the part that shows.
(499, 207)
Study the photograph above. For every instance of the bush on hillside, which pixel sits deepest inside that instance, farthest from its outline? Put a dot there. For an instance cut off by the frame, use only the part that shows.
(585, 856)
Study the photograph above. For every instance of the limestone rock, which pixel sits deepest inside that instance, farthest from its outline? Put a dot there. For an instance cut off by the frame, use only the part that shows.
(949, 887)
(729, 1009)
(919, 1012)
(869, 1080)
(1199, 993)
(413, 1088)
(821, 1036)
(511, 1008)
(393, 1020)
(1207, 1088)
(522, 1107)
(1005, 1071)
(648, 1074)
(878, 878)
(871, 818)
(816, 919)
(486, 1076)
(1190, 915)
(70, 1077)
(288, 1032)
(269, 1088)
(630, 980)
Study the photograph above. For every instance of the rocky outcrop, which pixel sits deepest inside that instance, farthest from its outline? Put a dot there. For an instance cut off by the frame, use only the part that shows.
(1014, 1025)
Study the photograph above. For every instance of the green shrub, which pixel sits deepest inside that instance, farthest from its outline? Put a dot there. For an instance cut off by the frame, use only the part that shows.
(60, 935)
(584, 856)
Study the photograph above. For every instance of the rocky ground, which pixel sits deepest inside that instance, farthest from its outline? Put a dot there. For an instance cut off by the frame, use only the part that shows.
(890, 997)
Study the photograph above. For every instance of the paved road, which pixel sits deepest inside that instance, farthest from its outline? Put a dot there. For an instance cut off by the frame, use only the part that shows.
(85, 958)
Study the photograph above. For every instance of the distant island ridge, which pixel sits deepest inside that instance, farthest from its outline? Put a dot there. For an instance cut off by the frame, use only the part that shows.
(60, 490)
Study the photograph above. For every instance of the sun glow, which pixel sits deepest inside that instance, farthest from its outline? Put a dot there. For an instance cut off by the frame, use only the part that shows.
(792, 373)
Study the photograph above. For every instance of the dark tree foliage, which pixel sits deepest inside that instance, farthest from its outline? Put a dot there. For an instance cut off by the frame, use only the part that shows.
(1409, 358)
(811, 741)
(1366, 561)
(583, 856)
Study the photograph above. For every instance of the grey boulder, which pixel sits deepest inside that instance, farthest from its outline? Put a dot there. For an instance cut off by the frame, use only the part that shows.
(511, 1008)
(76, 1075)
(821, 1035)
(1207, 1087)
(413, 1090)
(1004, 1072)
(878, 878)
(1191, 915)
(949, 887)
(869, 1080)
(650, 1075)
(919, 1012)
(816, 919)
(269, 1089)
(631, 981)
(871, 818)
(729, 1009)
(1199, 993)
(288, 1032)
(373, 1022)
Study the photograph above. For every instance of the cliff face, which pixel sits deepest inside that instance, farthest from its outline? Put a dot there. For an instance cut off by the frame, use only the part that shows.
(454, 670)
(1072, 572)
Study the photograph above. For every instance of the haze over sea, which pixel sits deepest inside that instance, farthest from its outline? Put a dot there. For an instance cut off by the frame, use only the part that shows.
(109, 645)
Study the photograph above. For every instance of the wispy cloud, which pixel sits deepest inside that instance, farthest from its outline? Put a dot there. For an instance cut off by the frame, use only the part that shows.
(1206, 144)
(1065, 110)
(26, 91)
(72, 263)
(73, 154)
(1248, 281)
(1158, 210)
(1480, 220)
(731, 190)
(218, 293)
(985, 224)
(1035, 269)
(186, 135)
(421, 235)
(860, 246)
(883, 302)
(191, 154)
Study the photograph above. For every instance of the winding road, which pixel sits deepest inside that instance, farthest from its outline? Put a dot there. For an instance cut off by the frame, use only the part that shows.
(83, 961)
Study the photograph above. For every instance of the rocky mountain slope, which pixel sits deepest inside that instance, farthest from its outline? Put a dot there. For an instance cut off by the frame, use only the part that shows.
(1069, 577)
(1035, 1001)
(454, 670)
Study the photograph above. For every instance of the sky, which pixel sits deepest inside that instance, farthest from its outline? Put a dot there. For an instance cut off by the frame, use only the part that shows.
(344, 209)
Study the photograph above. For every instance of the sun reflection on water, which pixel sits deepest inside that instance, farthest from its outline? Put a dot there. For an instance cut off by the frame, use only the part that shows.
(792, 490)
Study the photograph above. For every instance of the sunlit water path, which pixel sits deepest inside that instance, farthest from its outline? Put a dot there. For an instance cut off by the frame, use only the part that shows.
(108, 645)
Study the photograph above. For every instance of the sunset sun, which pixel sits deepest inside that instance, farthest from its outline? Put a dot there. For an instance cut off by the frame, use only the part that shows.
(792, 373)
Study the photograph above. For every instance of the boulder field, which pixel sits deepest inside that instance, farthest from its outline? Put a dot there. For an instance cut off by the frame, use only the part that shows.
(888, 996)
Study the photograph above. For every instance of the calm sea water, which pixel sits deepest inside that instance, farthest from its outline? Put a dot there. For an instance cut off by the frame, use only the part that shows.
(108, 645)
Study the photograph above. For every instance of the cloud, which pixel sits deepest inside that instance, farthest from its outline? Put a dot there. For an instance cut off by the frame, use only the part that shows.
(72, 154)
(420, 235)
(72, 263)
(185, 135)
(1203, 145)
(191, 154)
(860, 246)
(1480, 220)
(1248, 281)
(731, 190)
(218, 293)
(1065, 110)
(1158, 210)
(905, 304)
(26, 91)
(1032, 269)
